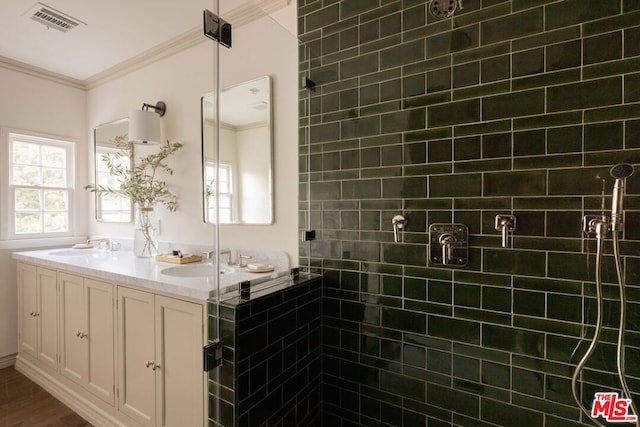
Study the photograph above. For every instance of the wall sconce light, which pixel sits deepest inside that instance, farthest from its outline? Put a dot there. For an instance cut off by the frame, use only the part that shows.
(144, 125)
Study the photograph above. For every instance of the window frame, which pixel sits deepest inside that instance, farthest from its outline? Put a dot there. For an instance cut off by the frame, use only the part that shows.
(211, 202)
(7, 189)
(100, 195)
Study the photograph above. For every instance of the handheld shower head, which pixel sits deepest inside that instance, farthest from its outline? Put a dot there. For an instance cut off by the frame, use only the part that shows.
(620, 173)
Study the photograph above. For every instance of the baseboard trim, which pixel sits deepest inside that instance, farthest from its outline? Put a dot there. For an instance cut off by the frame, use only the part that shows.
(7, 361)
(77, 402)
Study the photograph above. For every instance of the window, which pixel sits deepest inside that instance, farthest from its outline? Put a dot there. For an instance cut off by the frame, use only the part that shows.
(111, 207)
(225, 198)
(40, 192)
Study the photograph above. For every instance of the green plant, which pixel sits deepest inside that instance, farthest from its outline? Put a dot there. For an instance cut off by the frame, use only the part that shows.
(140, 183)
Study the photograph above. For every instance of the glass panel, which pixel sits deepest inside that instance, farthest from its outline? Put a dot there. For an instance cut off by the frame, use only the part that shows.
(28, 223)
(26, 175)
(56, 222)
(26, 154)
(209, 167)
(54, 177)
(27, 199)
(237, 192)
(54, 157)
(304, 185)
(55, 200)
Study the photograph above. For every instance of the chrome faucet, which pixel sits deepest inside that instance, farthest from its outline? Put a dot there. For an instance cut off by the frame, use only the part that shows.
(241, 257)
(210, 255)
(107, 242)
(227, 254)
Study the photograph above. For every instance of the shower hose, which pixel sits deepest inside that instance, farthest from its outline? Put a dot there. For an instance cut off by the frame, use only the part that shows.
(601, 229)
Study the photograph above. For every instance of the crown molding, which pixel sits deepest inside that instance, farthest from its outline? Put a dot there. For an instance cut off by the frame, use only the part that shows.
(171, 47)
(238, 17)
(253, 10)
(21, 67)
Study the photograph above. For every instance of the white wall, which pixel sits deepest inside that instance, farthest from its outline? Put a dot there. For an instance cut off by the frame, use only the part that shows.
(260, 48)
(179, 81)
(252, 169)
(34, 104)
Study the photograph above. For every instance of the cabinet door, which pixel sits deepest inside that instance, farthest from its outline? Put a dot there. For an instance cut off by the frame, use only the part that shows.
(27, 307)
(47, 317)
(73, 343)
(179, 395)
(136, 355)
(100, 337)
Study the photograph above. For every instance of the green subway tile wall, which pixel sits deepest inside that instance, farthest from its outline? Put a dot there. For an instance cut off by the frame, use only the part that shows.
(271, 371)
(510, 107)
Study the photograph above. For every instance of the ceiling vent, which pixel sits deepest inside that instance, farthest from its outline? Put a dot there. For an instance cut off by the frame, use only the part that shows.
(52, 18)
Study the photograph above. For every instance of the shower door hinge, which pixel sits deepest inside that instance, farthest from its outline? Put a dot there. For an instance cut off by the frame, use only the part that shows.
(212, 355)
(307, 83)
(308, 235)
(216, 28)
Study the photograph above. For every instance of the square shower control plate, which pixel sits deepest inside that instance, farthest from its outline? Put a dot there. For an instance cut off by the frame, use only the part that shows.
(448, 245)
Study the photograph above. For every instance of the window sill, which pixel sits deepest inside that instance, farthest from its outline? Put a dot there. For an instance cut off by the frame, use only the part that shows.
(41, 243)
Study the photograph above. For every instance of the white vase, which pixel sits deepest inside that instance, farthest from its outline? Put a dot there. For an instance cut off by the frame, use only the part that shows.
(145, 244)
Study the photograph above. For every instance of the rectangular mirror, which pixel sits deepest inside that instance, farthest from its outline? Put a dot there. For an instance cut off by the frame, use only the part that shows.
(109, 207)
(245, 157)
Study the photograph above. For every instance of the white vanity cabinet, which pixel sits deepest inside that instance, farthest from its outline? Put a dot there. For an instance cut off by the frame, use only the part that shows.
(117, 355)
(87, 334)
(38, 314)
(160, 359)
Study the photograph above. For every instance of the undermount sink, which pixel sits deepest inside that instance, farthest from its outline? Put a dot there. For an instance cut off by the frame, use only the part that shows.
(74, 252)
(198, 270)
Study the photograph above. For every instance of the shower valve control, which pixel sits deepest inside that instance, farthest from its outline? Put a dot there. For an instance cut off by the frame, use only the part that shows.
(398, 222)
(506, 224)
(448, 244)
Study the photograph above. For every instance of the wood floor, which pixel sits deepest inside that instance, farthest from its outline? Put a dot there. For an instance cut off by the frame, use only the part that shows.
(25, 404)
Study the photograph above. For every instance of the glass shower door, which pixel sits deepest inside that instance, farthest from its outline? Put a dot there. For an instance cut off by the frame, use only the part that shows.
(263, 48)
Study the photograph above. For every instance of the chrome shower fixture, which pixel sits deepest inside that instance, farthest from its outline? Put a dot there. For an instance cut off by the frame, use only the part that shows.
(443, 9)
(448, 245)
(620, 173)
(506, 225)
(598, 226)
(399, 223)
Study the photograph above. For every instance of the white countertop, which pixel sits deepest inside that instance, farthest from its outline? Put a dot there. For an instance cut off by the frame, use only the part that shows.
(125, 268)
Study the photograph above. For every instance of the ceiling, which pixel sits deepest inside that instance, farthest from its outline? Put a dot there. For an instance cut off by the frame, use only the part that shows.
(245, 104)
(110, 33)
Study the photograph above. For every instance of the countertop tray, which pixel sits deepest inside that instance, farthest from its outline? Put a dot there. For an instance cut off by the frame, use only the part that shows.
(175, 259)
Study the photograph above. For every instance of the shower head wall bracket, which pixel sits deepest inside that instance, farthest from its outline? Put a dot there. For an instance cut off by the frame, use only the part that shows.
(596, 225)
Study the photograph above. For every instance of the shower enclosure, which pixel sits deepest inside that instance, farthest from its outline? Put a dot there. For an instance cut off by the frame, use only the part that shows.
(252, 43)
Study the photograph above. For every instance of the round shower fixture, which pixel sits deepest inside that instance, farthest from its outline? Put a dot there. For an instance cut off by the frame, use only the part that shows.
(442, 9)
(622, 170)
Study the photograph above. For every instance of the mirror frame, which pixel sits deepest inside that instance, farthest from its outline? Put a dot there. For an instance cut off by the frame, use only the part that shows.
(99, 194)
(205, 185)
